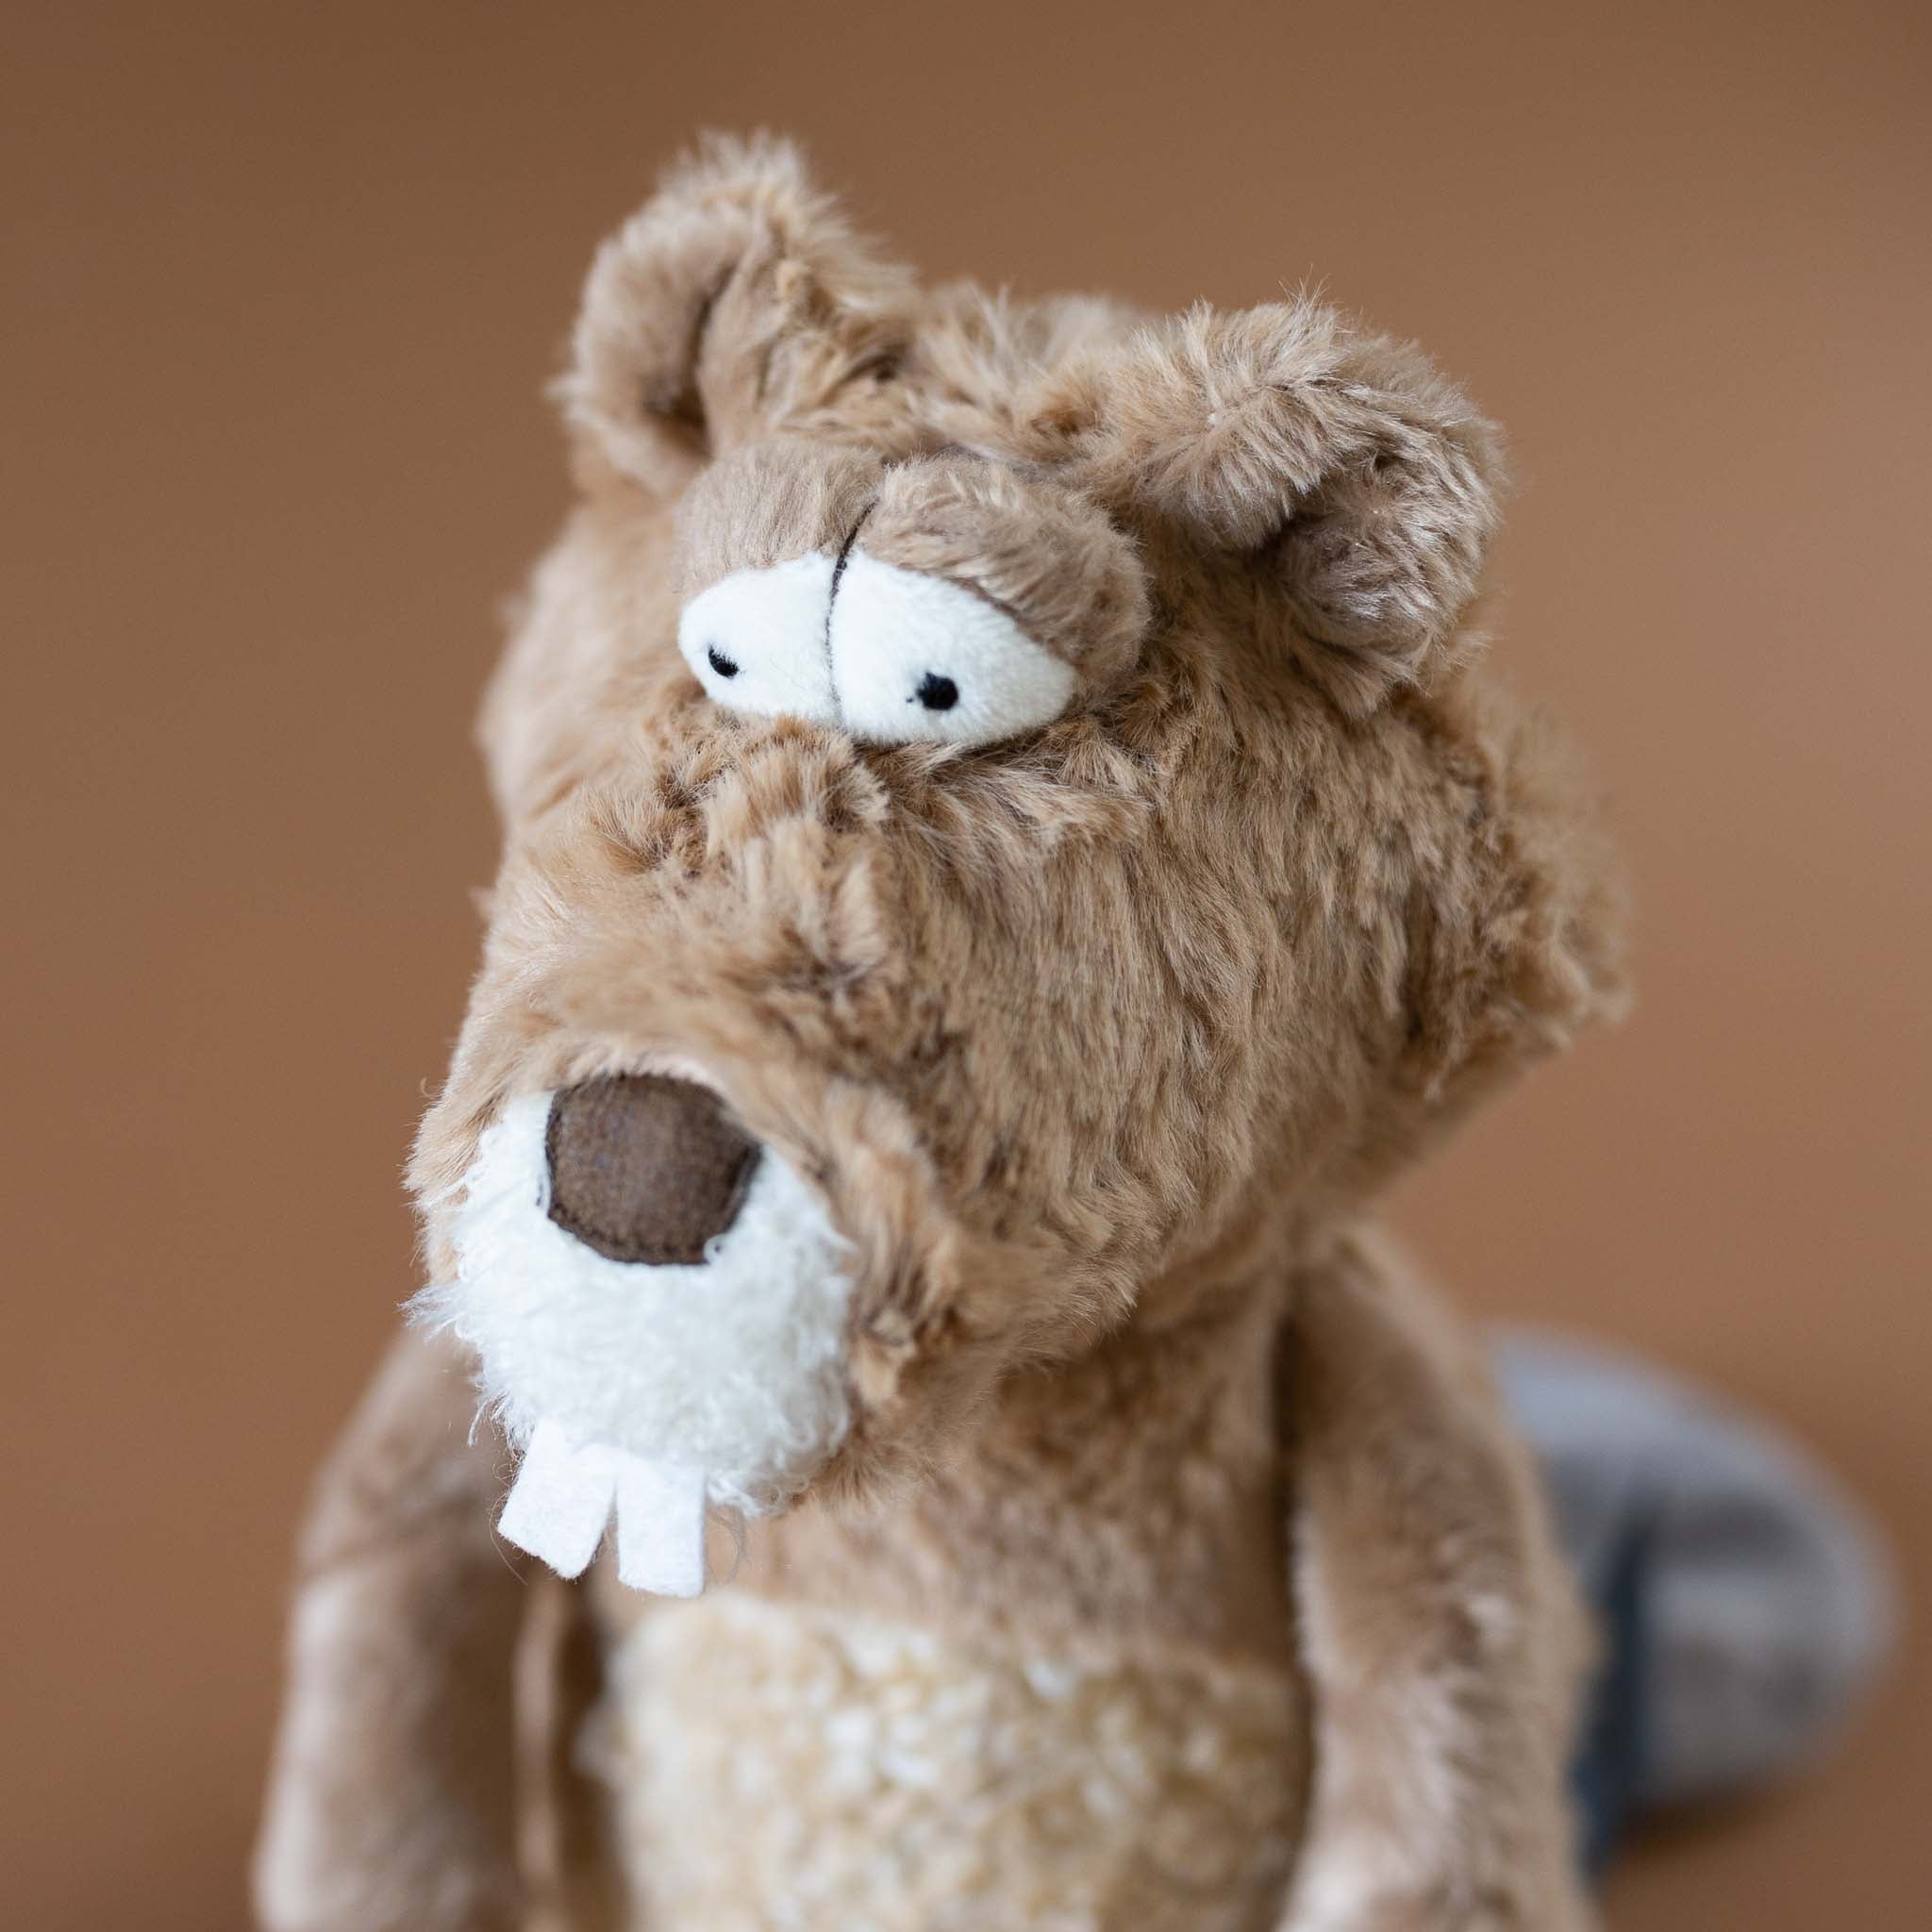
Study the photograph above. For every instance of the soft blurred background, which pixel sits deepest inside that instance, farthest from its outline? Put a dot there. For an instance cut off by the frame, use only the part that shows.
(280, 288)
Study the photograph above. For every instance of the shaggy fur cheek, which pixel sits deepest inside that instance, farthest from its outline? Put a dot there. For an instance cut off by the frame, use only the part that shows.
(735, 1366)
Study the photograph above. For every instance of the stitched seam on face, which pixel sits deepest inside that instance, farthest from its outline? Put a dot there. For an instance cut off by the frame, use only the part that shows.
(832, 597)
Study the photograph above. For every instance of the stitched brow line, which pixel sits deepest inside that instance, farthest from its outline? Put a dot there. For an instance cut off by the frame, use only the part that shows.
(1008, 611)
(839, 571)
(839, 564)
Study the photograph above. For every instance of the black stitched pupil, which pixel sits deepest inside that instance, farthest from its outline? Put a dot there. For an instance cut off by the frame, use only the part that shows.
(722, 665)
(937, 694)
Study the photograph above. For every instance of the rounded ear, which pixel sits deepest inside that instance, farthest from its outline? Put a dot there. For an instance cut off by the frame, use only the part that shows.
(1336, 465)
(736, 301)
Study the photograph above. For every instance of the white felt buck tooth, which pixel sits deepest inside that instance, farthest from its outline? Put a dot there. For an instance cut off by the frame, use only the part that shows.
(755, 639)
(915, 656)
(560, 1503)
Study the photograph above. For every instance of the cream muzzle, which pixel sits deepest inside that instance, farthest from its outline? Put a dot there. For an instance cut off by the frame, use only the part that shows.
(650, 1388)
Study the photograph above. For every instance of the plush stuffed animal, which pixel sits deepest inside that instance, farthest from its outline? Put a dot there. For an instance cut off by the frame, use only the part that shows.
(1009, 851)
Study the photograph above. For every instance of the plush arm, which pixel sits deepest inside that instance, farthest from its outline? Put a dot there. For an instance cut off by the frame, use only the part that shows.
(392, 1801)
(1443, 1643)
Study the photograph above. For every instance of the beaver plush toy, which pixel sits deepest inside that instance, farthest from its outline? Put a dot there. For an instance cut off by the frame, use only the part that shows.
(1007, 852)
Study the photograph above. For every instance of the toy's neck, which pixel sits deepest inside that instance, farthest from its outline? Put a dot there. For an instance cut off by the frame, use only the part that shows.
(1133, 1495)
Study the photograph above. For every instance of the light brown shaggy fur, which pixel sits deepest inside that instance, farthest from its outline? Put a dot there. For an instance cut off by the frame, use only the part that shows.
(1098, 1046)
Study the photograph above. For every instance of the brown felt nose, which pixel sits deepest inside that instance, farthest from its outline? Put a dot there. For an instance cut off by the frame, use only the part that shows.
(643, 1168)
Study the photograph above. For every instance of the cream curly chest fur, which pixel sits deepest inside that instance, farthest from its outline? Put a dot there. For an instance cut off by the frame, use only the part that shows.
(780, 1765)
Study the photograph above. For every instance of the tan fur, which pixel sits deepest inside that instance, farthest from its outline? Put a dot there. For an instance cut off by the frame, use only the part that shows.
(1339, 462)
(1098, 1046)
(1046, 556)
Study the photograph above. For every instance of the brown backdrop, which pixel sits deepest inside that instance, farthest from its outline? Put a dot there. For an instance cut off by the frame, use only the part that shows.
(281, 285)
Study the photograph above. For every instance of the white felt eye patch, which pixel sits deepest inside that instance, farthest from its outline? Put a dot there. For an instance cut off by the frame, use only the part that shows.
(756, 640)
(890, 654)
(914, 657)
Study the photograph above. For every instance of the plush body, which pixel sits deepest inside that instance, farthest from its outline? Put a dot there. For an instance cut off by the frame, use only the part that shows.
(1152, 1552)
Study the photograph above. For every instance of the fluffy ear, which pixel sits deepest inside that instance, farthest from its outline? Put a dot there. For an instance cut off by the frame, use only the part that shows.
(1336, 466)
(737, 300)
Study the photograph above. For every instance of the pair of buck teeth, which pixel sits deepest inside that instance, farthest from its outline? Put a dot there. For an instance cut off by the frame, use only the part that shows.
(564, 1497)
